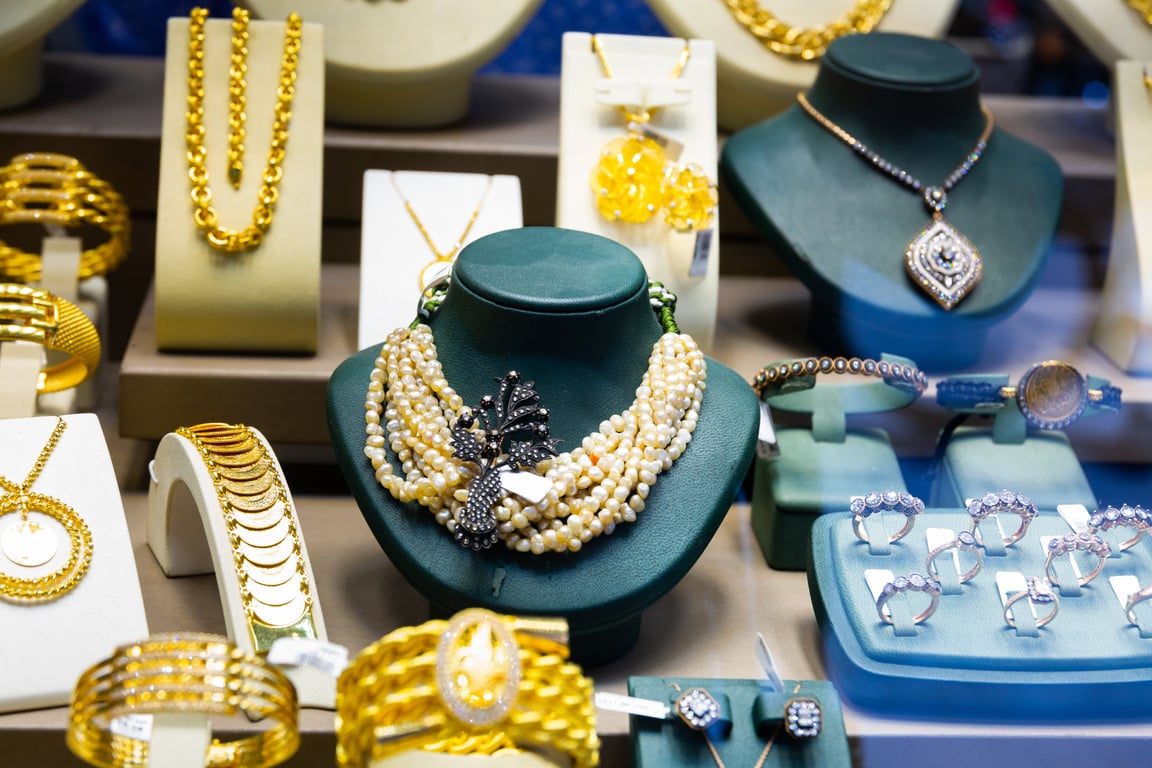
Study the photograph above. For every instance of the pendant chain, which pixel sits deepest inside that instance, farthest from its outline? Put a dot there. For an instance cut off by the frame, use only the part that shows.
(451, 253)
(644, 115)
(801, 43)
(46, 452)
(935, 197)
(205, 216)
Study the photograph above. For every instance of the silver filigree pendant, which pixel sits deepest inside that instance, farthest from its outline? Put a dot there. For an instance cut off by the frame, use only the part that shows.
(943, 262)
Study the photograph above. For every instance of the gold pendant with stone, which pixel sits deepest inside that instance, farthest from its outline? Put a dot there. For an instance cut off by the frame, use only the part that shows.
(940, 259)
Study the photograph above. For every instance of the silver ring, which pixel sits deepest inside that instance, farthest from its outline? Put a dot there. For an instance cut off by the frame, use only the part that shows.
(913, 582)
(803, 718)
(1126, 516)
(878, 502)
(1039, 592)
(1071, 543)
(1134, 598)
(965, 541)
(1005, 501)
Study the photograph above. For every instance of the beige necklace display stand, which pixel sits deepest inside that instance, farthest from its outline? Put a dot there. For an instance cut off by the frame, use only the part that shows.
(753, 83)
(23, 26)
(266, 299)
(22, 361)
(393, 252)
(1111, 29)
(684, 110)
(1123, 329)
(188, 535)
(405, 64)
(45, 647)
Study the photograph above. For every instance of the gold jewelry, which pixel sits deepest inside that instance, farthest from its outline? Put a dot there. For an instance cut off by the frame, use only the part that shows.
(183, 672)
(35, 315)
(479, 683)
(771, 378)
(262, 528)
(634, 178)
(1147, 78)
(47, 188)
(30, 544)
(1142, 7)
(940, 259)
(227, 240)
(798, 42)
(716, 754)
(237, 85)
(440, 266)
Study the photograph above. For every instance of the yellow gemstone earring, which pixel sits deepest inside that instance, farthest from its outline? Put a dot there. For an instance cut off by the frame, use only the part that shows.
(690, 198)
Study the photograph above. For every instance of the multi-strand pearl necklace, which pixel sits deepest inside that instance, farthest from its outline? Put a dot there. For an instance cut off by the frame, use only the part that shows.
(411, 408)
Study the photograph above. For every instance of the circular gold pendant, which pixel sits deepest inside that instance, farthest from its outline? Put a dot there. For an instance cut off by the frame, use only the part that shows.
(28, 543)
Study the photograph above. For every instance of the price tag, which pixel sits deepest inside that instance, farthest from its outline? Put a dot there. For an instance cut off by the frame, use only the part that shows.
(1076, 515)
(701, 252)
(329, 658)
(766, 445)
(527, 485)
(615, 702)
(137, 727)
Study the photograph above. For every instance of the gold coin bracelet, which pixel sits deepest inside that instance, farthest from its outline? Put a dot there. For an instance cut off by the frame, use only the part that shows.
(480, 683)
(205, 216)
(35, 315)
(262, 528)
(46, 188)
(798, 42)
(183, 672)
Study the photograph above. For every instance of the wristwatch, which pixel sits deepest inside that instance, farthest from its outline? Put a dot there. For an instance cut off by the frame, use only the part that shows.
(1050, 395)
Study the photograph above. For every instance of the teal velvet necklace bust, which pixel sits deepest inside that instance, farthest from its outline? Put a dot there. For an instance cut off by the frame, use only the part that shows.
(570, 311)
(843, 227)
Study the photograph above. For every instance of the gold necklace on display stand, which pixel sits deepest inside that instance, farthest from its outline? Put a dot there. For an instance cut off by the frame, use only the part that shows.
(806, 44)
(441, 266)
(204, 214)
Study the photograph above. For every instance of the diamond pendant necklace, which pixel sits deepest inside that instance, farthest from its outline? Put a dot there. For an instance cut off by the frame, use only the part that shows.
(441, 266)
(940, 259)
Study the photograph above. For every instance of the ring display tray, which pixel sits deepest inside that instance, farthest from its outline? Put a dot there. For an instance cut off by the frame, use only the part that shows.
(965, 662)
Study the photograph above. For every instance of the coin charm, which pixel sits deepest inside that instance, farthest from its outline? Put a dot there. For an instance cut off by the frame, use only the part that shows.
(28, 543)
(1052, 395)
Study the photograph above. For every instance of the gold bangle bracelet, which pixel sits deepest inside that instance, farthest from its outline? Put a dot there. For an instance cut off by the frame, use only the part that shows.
(267, 551)
(185, 672)
(479, 683)
(46, 188)
(35, 315)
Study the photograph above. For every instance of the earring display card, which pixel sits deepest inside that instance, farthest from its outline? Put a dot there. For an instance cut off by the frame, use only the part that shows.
(758, 736)
(965, 661)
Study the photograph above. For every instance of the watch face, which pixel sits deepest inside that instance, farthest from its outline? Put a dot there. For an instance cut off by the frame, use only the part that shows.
(1052, 395)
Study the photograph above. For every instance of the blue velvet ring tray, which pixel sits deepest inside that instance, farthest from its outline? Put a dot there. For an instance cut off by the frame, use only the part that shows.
(965, 662)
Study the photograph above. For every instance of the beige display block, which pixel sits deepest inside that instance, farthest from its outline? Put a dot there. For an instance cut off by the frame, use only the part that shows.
(23, 26)
(265, 299)
(1123, 330)
(1112, 30)
(753, 83)
(45, 646)
(684, 111)
(405, 64)
(59, 274)
(20, 366)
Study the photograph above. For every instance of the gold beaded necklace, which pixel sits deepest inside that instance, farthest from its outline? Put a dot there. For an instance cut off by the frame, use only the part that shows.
(205, 216)
(801, 43)
(29, 544)
(441, 265)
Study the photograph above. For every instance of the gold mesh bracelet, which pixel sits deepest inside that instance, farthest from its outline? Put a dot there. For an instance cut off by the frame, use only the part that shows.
(35, 315)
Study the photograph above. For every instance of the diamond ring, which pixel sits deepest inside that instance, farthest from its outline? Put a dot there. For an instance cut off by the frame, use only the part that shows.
(965, 541)
(1126, 516)
(1071, 543)
(913, 582)
(1133, 599)
(878, 502)
(1005, 501)
(1039, 592)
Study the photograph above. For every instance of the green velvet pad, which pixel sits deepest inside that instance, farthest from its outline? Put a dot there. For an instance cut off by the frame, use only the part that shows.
(670, 743)
(809, 478)
(1043, 466)
(965, 662)
(842, 226)
(570, 311)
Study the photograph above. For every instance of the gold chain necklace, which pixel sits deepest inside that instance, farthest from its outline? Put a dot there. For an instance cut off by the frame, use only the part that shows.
(940, 259)
(442, 264)
(220, 238)
(634, 178)
(800, 43)
(29, 544)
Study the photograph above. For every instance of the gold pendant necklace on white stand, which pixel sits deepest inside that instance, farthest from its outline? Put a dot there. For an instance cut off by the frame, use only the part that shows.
(441, 266)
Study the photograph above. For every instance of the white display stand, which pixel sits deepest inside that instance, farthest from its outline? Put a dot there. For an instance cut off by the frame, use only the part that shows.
(1111, 30)
(188, 535)
(1123, 329)
(45, 647)
(23, 27)
(405, 64)
(266, 299)
(393, 252)
(590, 117)
(753, 83)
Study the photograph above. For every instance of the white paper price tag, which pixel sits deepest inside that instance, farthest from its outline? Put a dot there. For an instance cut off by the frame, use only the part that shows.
(1076, 515)
(766, 445)
(1124, 586)
(877, 579)
(137, 727)
(527, 485)
(700, 253)
(616, 702)
(329, 658)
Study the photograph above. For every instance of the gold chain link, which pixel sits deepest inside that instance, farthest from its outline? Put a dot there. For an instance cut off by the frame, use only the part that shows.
(237, 85)
(233, 241)
(1144, 8)
(807, 44)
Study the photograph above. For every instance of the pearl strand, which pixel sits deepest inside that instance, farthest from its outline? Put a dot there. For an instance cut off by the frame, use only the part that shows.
(410, 408)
